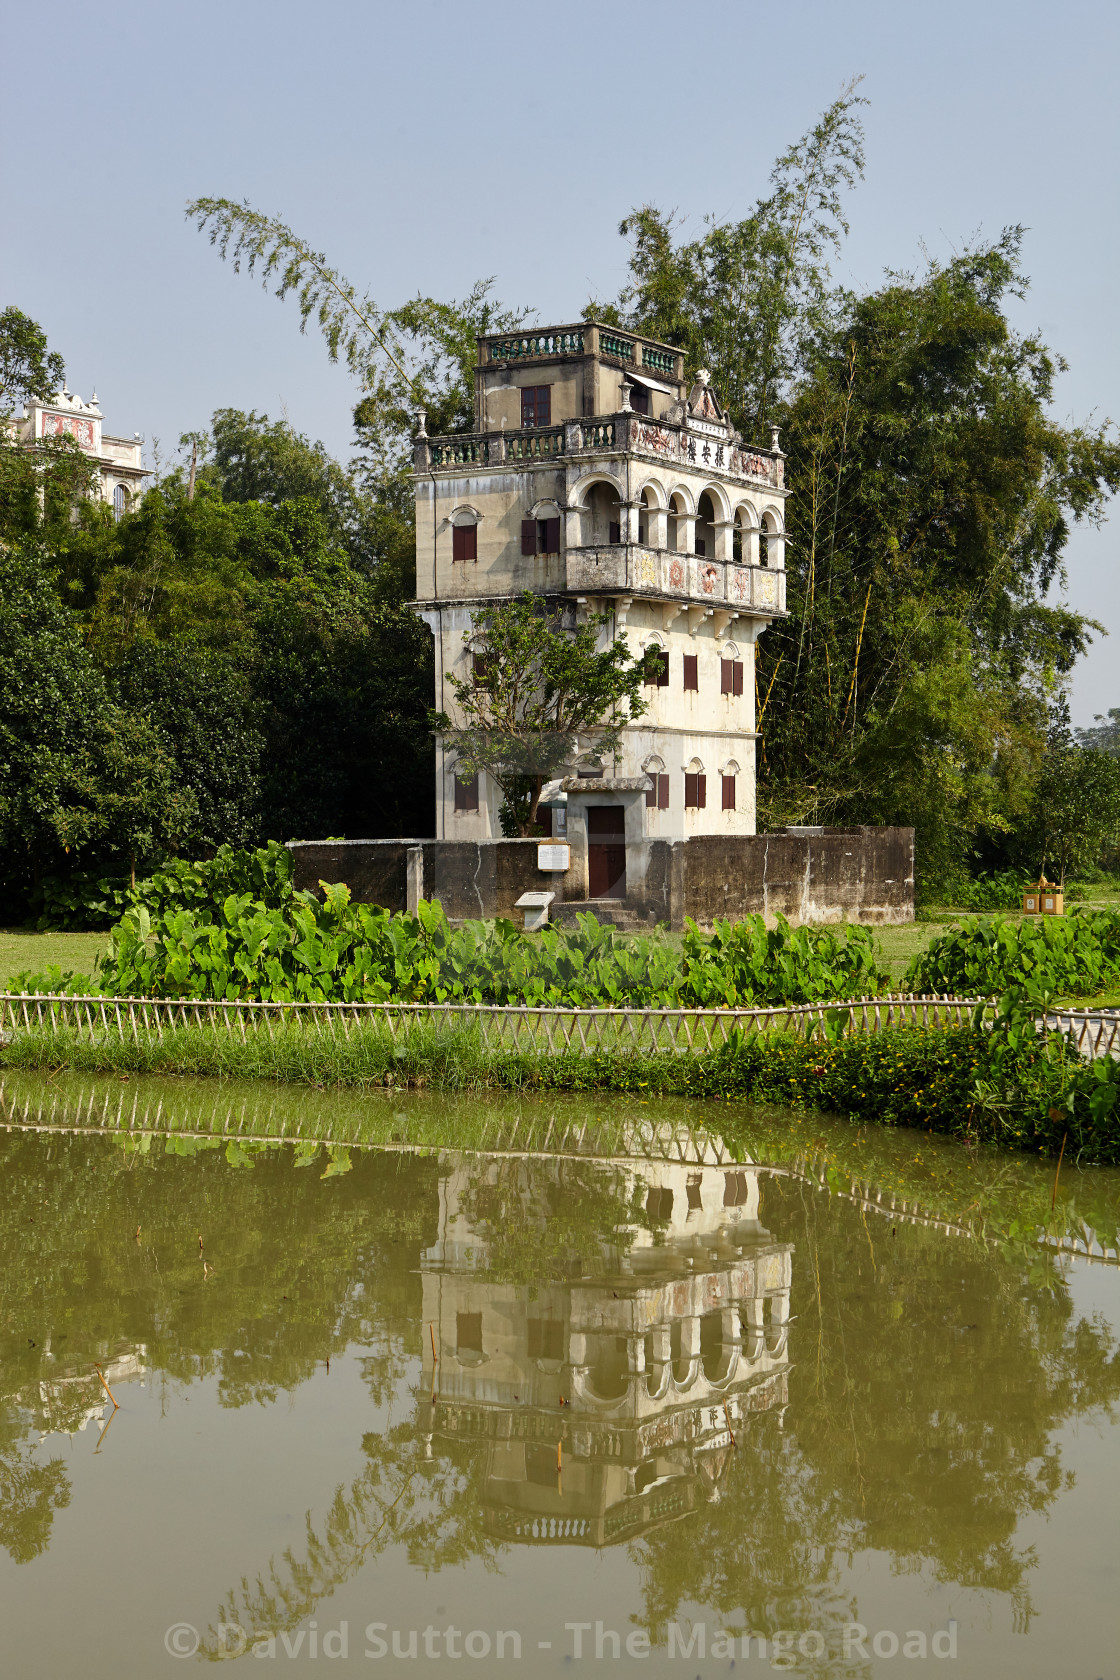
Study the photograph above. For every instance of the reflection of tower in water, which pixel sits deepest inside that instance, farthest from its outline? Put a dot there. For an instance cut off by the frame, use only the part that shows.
(660, 1347)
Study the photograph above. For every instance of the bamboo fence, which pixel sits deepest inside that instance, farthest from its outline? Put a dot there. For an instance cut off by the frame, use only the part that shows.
(523, 1027)
(516, 1027)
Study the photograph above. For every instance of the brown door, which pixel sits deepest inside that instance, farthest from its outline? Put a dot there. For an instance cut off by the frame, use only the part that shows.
(606, 851)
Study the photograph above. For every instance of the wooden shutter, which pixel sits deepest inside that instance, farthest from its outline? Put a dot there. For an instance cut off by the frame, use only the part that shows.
(701, 792)
(663, 669)
(691, 799)
(737, 676)
(548, 536)
(544, 405)
(662, 793)
(728, 793)
(691, 678)
(529, 406)
(651, 794)
(466, 794)
(464, 542)
(726, 676)
(528, 536)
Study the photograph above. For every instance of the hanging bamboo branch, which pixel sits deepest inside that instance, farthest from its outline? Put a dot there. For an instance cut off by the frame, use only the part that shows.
(769, 691)
(855, 667)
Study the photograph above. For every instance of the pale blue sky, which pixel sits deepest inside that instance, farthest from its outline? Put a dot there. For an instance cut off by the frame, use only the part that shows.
(423, 145)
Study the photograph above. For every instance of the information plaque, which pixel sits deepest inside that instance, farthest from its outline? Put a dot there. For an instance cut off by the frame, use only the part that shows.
(553, 856)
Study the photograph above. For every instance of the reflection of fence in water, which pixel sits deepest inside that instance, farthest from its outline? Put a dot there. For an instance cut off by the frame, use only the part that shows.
(262, 1120)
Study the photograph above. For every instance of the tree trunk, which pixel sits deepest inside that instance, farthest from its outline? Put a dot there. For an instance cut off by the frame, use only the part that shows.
(534, 806)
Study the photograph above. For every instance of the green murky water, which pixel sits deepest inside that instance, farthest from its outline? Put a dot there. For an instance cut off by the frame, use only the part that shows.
(577, 1389)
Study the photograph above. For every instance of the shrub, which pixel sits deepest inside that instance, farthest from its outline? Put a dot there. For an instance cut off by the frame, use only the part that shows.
(1076, 953)
(84, 900)
(307, 949)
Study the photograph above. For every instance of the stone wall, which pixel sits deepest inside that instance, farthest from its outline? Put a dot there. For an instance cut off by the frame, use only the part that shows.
(823, 875)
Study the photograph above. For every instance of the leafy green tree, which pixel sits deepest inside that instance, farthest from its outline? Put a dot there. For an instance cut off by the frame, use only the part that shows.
(1105, 734)
(539, 692)
(79, 776)
(27, 368)
(200, 700)
(932, 493)
(344, 684)
(1075, 813)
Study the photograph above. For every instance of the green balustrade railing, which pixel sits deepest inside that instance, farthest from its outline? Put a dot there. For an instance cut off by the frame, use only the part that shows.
(460, 451)
(663, 360)
(535, 445)
(537, 344)
(597, 434)
(611, 345)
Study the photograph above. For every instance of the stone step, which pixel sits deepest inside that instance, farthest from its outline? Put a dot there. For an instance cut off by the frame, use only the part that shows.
(613, 912)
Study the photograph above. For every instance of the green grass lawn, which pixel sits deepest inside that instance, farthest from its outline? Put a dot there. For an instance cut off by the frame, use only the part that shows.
(23, 948)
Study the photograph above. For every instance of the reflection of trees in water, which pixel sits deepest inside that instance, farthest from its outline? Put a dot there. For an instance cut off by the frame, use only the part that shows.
(31, 1491)
(929, 1375)
(430, 1506)
(929, 1379)
(543, 1219)
(301, 1270)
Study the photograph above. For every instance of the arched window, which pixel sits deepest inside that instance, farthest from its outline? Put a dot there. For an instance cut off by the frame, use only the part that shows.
(645, 508)
(120, 501)
(678, 526)
(464, 533)
(741, 537)
(606, 514)
(705, 527)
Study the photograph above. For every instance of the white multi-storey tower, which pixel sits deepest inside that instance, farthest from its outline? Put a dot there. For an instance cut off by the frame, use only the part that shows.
(597, 479)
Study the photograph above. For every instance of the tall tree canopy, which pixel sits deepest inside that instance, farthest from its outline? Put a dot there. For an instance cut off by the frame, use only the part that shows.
(932, 495)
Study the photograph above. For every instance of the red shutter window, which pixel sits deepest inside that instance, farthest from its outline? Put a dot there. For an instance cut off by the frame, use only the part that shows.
(548, 536)
(691, 678)
(536, 405)
(466, 794)
(729, 793)
(651, 794)
(528, 536)
(662, 793)
(639, 399)
(695, 791)
(726, 679)
(464, 542)
(737, 676)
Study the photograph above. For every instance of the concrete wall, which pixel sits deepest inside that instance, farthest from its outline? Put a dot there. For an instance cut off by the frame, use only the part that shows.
(829, 875)
(471, 878)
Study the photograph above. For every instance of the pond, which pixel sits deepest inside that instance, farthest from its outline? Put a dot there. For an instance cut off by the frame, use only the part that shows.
(661, 1389)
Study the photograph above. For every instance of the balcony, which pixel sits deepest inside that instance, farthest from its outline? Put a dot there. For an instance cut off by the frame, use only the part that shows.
(693, 581)
(614, 434)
